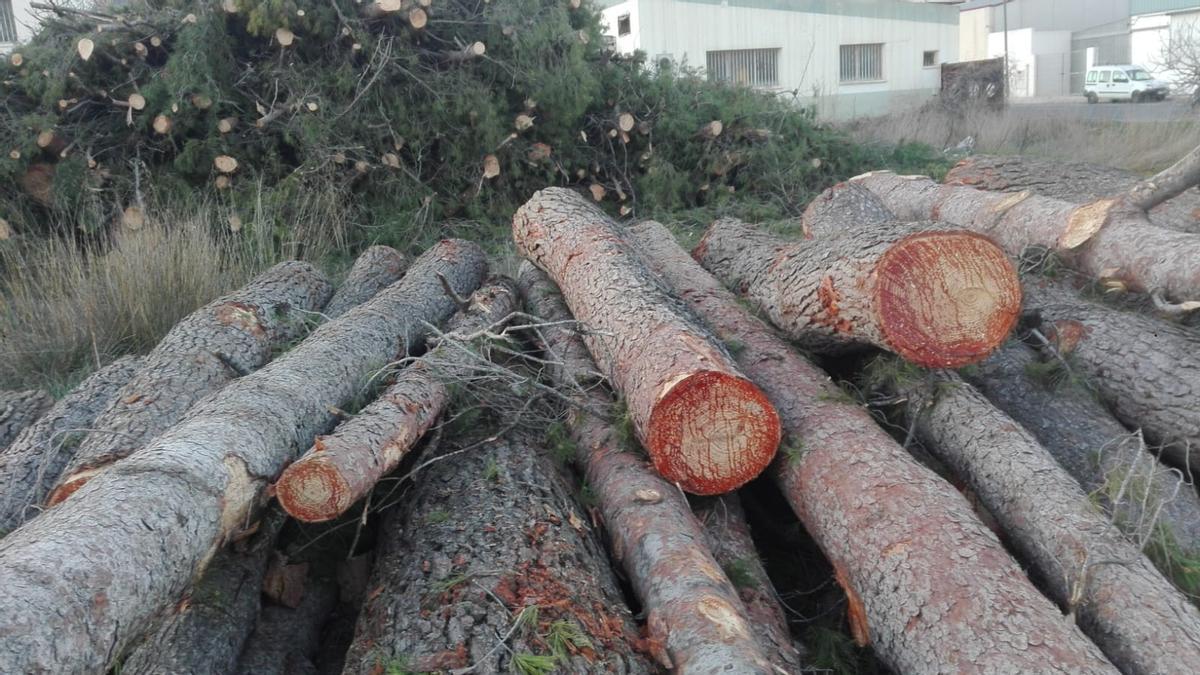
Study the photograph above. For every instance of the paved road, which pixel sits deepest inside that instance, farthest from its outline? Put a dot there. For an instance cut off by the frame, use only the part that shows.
(1172, 109)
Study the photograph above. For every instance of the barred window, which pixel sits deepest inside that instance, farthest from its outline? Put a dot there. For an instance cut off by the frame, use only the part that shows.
(930, 59)
(624, 27)
(8, 25)
(862, 63)
(751, 67)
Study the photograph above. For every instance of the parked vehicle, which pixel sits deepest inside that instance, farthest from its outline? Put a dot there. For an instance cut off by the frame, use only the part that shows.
(1123, 83)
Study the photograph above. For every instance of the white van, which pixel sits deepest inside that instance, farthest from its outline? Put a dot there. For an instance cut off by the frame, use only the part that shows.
(1123, 83)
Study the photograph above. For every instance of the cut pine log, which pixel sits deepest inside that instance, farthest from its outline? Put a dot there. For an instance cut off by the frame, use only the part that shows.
(728, 537)
(706, 427)
(375, 269)
(868, 504)
(209, 627)
(31, 464)
(1146, 369)
(490, 546)
(1099, 453)
(1075, 182)
(1142, 622)
(936, 297)
(1103, 239)
(20, 409)
(174, 503)
(695, 620)
(286, 640)
(343, 467)
(230, 337)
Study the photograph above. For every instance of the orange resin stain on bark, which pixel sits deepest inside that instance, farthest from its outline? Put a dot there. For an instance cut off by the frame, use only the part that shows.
(829, 298)
(946, 299)
(1067, 334)
(241, 316)
(712, 432)
(856, 611)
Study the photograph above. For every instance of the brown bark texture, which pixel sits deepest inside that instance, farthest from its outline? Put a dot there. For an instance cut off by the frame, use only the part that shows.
(1087, 441)
(1104, 239)
(206, 631)
(929, 586)
(286, 640)
(1146, 369)
(728, 536)
(229, 337)
(706, 427)
(1142, 622)
(83, 580)
(375, 269)
(343, 467)
(489, 557)
(31, 464)
(20, 409)
(1075, 182)
(1168, 183)
(695, 621)
(936, 297)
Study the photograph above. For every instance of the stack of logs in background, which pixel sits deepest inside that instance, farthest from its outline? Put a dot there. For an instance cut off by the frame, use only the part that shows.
(369, 480)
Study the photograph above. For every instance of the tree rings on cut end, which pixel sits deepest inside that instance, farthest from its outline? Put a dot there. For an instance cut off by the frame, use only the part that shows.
(946, 299)
(712, 432)
(313, 490)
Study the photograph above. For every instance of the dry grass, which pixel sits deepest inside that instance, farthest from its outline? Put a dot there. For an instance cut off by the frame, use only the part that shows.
(67, 307)
(1143, 147)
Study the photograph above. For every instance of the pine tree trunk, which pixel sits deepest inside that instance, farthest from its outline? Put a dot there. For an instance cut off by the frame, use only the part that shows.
(481, 537)
(706, 426)
(31, 465)
(341, 468)
(375, 269)
(1074, 182)
(1146, 369)
(84, 579)
(206, 632)
(1085, 439)
(1102, 239)
(695, 620)
(286, 640)
(1143, 624)
(728, 536)
(19, 410)
(232, 336)
(936, 298)
(929, 586)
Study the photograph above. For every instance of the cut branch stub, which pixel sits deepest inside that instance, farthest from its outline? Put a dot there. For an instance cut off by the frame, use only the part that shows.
(225, 163)
(85, 47)
(491, 167)
(936, 297)
(705, 426)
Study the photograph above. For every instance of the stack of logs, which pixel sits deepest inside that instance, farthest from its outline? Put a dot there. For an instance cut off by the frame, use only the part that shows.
(1013, 537)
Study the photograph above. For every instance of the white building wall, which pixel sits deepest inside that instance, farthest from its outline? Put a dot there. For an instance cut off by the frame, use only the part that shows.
(809, 45)
(625, 44)
(1152, 36)
(974, 26)
(26, 23)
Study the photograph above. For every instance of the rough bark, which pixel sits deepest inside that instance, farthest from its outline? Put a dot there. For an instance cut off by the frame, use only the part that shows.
(225, 339)
(341, 468)
(208, 628)
(375, 269)
(1103, 239)
(1146, 369)
(935, 297)
(480, 538)
(31, 465)
(20, 409)
(285, 640)
(1142, 622)
(1099, 453)
(1075, 182)
(843, 209)
(929, 586)
(84, 579)
(1168, 183)
(706, 427)
(695, 621)
(728, 536)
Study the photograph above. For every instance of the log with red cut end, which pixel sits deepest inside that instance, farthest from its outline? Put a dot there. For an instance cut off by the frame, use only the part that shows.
(85, 579)
(706, 427)
(31, 464)
(232, 336)
(18, 410)
(341, 468)
(929, 586)
(935, 296)
(375, 269)
(695, 619)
